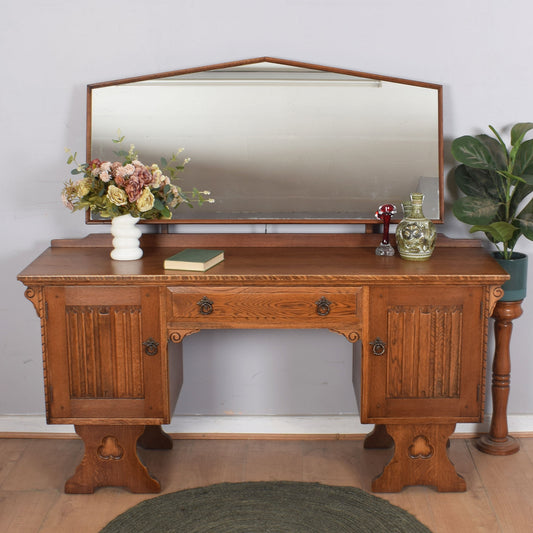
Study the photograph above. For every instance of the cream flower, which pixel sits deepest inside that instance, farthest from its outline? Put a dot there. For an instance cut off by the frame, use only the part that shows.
(158, 176)
(177, 201)
(145, 201)
(83, 187)
(117, 196)
(105, 176)
(124, 171)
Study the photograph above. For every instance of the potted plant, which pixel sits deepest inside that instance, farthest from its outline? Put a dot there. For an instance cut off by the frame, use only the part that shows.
(498, 184)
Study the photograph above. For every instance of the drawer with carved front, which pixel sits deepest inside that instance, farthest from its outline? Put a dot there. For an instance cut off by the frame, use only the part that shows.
(241, 307)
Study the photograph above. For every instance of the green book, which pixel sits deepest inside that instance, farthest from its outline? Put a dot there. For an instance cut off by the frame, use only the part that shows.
(194, 259)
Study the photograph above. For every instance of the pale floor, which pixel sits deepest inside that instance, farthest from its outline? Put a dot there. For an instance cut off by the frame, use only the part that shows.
(32, 473)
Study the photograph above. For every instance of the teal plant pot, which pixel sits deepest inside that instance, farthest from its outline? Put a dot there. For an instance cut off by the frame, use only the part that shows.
(515, 288)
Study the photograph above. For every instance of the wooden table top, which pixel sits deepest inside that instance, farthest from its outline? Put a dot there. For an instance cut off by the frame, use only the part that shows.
(67, 262)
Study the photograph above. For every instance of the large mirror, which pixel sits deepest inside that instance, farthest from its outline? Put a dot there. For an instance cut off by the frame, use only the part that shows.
(278, 141)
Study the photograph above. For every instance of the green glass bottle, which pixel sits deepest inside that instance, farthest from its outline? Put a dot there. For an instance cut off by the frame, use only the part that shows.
(415, 234)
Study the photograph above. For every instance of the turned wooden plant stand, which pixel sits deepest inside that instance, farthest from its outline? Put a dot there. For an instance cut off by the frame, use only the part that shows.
(498, 441)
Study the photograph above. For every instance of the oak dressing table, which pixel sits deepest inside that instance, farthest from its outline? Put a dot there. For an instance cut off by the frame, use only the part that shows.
(112, 332)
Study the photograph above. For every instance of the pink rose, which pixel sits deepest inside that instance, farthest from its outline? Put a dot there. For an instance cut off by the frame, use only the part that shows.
(133, 188)
(145, 175)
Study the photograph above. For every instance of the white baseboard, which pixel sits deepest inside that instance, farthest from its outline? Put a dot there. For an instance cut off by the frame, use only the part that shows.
(275, 425)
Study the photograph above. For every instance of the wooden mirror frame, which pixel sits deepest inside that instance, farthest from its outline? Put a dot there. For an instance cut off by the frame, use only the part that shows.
(290, 63)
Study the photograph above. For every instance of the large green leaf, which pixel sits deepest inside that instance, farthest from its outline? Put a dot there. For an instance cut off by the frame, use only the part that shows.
(520, 193)
(472, 152)
(525, 219)
(499, 231)
(476, 210)
(512, 242)
(519, 130)
(479, 182)
(523, 163)
(498, 152)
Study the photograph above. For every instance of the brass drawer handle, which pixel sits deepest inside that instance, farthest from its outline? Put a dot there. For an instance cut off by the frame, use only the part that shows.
(150, 346)
(206, 306)
(378, 346)
(323, 306)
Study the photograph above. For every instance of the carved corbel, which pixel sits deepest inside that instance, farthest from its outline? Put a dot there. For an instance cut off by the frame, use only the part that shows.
(495, 293)
(35, 296)
(177, 335)
(350, 334)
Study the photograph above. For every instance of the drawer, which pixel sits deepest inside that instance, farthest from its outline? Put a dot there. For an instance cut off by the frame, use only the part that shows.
(279, 306)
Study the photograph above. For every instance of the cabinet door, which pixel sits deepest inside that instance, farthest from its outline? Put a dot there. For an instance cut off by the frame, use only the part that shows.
(430, 363)
(104, 355)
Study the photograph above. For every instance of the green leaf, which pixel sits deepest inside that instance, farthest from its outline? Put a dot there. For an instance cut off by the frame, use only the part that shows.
(499, 231)
(510, 176)
(523, 163)
(511, 243)
(158, 204)
(473, 210)
(519, 130)
(528, 178)
(525, 219)
(479, 182)
(520, 193)
(497, 150)
(500, 140)
(472, 153)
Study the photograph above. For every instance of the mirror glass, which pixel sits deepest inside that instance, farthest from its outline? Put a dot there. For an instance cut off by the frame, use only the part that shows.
(280, 141)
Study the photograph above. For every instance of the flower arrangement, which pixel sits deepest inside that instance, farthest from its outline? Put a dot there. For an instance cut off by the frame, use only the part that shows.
(112, 189)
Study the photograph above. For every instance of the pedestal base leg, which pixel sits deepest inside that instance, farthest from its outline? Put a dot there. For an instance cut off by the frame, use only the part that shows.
(420, 458)
(111, 460)
(378, 438)
(154, 438)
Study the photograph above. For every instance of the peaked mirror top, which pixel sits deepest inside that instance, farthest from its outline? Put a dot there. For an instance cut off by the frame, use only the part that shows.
(279, 141)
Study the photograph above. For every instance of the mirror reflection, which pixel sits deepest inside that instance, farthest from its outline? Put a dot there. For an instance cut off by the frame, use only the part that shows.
(276, 142)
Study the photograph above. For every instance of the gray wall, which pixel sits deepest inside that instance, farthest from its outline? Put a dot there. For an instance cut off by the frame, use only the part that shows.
(479, 50)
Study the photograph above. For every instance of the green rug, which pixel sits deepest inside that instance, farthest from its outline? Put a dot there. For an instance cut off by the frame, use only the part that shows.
(273, 507)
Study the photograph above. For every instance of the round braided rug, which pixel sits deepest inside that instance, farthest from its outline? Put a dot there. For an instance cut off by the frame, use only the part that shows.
(274, 506)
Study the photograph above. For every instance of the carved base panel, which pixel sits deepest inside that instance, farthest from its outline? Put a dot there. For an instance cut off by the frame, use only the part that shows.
(154, 438)
(111, 460)
(378, 438)
(420, 458)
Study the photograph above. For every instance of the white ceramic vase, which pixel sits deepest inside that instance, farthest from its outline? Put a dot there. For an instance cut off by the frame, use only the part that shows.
(125, 238)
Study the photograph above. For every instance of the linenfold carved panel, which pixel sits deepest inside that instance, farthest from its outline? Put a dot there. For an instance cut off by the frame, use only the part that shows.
(104, 351)
(424, 351)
